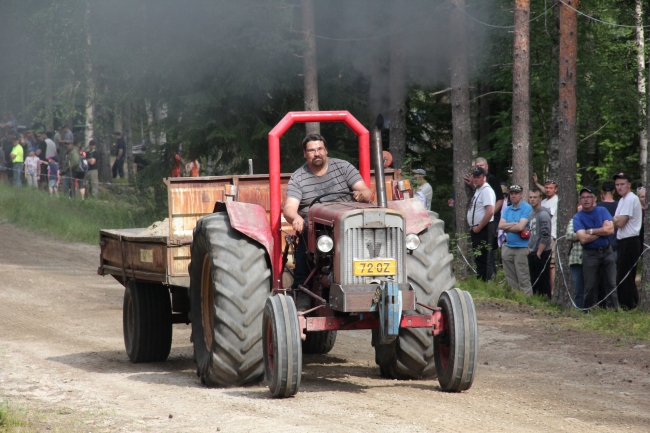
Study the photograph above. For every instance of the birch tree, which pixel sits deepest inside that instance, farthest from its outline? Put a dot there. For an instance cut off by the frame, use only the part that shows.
(641, 87)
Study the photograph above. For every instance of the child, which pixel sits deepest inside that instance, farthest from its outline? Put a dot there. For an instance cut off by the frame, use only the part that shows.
(32, 168)
(53, 174)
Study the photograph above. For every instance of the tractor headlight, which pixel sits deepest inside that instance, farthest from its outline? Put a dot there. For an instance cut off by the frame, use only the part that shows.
(412, 242)
(324, 244)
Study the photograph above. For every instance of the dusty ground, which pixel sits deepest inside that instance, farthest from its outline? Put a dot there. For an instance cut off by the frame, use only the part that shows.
(62, 355)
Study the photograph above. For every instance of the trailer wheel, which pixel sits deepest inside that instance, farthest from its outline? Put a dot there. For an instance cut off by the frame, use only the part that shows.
(229, 280)
(430, 273)
(319, 342)
(282, 346)
(147, 322)
(456, 349)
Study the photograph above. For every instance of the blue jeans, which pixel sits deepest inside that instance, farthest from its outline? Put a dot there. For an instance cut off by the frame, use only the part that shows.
(18, 174)
(578, 285)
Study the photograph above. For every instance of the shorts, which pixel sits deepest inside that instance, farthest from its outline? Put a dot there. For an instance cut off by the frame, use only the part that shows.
(553, 244)
(79, 175)
(53, 183)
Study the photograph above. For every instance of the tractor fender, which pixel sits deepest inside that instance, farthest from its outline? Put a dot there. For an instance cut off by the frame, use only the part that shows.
(417, 218)
(250, 220)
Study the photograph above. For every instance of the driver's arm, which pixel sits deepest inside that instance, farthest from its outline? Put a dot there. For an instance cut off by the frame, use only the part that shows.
(360, 192)
(290, 211)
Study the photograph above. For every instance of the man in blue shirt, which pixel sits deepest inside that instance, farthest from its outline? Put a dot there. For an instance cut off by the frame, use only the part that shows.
(514, 253)
(593, 225)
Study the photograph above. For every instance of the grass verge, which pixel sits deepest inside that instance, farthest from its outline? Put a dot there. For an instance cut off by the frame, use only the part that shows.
(70, 220)
(12, 420)
(631, 326)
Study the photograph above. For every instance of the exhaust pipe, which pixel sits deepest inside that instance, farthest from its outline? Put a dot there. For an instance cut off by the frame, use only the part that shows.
(377, 156)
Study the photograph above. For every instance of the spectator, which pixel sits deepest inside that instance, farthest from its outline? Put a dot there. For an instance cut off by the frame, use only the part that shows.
(550, 202)
(607, 201)
(575, 264)
(32, 169)
(3, 166)
(70, 169)
(91, 178)
(640, 192)
(53, 174)
(118, 165)
(479, 216)
(496, 187)
(592, 226)
(45, 149)
(539, 244)
(18, 159)
(514, 253)
(627, 219)
(193, 167)
(176, 164)
(424, 192)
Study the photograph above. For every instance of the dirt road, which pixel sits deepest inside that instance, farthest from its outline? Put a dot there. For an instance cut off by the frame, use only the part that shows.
(62, 355)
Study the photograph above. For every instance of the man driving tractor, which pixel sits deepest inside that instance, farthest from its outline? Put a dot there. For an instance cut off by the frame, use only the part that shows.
(320, 175)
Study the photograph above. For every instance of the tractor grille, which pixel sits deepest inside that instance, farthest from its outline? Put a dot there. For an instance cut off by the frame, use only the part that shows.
(373, 244)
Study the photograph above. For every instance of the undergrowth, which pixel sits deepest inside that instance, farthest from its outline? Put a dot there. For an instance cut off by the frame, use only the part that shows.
(72, 219)
(629, 325)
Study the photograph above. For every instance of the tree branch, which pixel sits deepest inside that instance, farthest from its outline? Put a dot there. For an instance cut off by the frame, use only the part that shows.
(594, 133)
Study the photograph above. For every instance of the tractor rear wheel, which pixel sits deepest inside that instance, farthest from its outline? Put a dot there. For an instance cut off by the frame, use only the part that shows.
(319, 342)
(230, 279)
(411, 355)
(282, 346)
(147, 322)
(456, 349)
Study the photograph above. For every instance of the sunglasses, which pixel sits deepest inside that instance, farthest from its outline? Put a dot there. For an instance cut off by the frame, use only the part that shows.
(640, 188)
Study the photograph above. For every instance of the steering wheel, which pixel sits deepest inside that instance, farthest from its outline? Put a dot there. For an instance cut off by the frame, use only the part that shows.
(317, 199)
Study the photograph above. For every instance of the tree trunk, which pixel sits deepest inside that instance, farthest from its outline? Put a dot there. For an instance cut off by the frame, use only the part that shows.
(90, 84)
(461, 125)
(309, 64)
(554, 140)
(484, 122)
(641, 88)
(521, 95)
(397, 89)
(104, 141)
(161, 117)
(644, 290)
(153, 139)
(128, 135)
(49, 108)
(118, 125)
(568, 153)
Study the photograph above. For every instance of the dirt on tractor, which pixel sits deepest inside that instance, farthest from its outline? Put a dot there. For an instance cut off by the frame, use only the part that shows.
(62, 355)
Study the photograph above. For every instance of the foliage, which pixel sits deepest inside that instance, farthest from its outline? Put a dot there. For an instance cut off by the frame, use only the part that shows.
(71, 220)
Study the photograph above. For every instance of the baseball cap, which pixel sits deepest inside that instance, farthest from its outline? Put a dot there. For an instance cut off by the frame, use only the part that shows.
(516, 188)
(53, 158)
(608, 185)
(588, 189)
(420, 171)
(622, 176)
(478, 171)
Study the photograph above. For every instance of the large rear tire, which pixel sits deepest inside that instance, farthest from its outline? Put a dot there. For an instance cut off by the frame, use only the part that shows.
(230, 279)
(319, 342)
(456, 349)
(282, 346)
(147, 322)
(430, 272)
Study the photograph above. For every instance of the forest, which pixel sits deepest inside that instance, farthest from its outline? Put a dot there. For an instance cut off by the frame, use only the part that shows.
(557, 88)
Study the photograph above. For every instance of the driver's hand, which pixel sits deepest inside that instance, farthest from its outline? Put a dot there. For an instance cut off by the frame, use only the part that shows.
(298, 224)
(358, 196)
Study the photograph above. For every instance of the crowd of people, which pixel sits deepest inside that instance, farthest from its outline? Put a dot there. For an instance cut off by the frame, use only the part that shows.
(606, 237)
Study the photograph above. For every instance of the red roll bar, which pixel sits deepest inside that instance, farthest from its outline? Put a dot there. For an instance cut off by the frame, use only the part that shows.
(274, 169)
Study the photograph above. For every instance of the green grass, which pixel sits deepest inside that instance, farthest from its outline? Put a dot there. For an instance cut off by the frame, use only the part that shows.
(70, 219)
(631, 326)
(11, 420)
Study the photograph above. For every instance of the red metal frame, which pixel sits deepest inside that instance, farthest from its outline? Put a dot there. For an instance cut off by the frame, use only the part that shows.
(371, 321)
(274, 169)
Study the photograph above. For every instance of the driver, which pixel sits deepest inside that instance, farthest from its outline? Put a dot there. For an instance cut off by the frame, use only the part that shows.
(320, 175)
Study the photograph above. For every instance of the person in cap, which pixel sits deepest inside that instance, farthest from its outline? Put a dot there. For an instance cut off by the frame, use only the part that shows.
(479, 216)
(53, 174)
(118, 165)
(514, 254)
(550, 202)
(539, 244)
(593, 225)
(424, 191)
(627, 219)
(494, 183)
(607, 201)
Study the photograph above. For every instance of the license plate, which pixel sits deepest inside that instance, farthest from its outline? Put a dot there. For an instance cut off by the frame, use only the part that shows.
(375, 267)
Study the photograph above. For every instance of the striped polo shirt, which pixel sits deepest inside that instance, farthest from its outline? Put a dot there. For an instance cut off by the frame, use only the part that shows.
(305, 186)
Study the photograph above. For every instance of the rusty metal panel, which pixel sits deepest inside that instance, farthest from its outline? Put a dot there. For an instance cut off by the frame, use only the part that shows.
(417, 218)
(178, 258)
(359, 298)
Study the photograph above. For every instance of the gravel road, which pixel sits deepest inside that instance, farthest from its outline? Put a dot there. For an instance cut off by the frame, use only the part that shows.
(62, 359)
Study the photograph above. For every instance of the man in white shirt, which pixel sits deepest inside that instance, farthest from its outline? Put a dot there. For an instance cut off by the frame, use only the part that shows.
(479, 216)
(628, 219)
(550, 203)
(424, 192)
